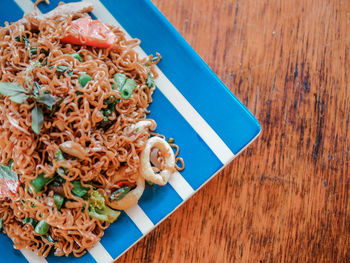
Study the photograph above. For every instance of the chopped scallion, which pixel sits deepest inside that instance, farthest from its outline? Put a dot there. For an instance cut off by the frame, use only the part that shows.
(76, 56)
(31, 221)
(128, 88)
(120, 80)
(84, 79)
(150, 80)
(42, 227)
(40, 181)
(58, 199)
(120, 193)
(78, 189)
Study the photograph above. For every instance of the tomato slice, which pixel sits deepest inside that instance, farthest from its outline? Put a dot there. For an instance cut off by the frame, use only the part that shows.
(85, 31)
(8, 187)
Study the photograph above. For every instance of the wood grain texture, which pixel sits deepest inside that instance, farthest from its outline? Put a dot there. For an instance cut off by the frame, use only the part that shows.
(286, 198)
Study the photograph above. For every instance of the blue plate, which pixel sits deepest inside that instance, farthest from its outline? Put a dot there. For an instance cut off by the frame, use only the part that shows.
(191, 104)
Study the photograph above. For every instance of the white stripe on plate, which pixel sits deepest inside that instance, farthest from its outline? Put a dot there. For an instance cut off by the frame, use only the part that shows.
(32, 257)
(215, 143)
(100, 254)
(26, 5)
(181, 186)
(141, 220)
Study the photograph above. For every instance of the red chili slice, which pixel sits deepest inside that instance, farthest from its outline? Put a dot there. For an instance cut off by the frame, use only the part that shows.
(125, 183)
(85, 31)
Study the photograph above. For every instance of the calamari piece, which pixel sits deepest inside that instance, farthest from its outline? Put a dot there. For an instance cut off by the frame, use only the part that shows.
(74, 149)
(141, 125)
(167, 153)
(61, 12)
(66, 10)
(130, 198)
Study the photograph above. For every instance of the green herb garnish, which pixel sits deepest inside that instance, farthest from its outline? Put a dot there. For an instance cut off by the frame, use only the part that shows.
(7, 174)
(31, 221)
(25, 39)
(150, 80)
(42, 227)
(128, 88)
(84, 79)
(37, 119)
(58, 199)
(78, 189)
(18, 94)
(40, 181)
(125, 85)
(119, 80)
(59, 155)
(120, 193)
(49, 238)
(76, 56)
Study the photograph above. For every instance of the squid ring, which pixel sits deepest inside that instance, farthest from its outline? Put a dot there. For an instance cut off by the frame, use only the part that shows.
(130, 198)
(141, 125)
(146, 170)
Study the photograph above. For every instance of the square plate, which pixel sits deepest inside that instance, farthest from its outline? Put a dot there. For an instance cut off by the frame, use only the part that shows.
(191, 104)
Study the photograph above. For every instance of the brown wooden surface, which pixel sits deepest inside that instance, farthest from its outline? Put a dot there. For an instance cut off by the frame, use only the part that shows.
(286, 198)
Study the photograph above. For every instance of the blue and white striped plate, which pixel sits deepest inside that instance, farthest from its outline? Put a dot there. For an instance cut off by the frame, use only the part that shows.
(210, 130)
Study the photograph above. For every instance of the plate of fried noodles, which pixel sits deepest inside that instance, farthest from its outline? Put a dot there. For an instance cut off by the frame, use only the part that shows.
(107, 125)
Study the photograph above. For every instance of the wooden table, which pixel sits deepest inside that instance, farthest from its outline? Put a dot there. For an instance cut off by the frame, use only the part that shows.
(286, 198)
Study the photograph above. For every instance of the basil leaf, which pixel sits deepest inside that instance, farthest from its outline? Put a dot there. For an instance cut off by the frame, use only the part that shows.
(37, 87)
(56, 106)
(120, 193)
(2, 219)
(120, 80)
(37, 119)
(31, 221)
(46, 99)
(78, 189)
(7, 173)
(19, 98)
(11, 88)
(150, 80)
